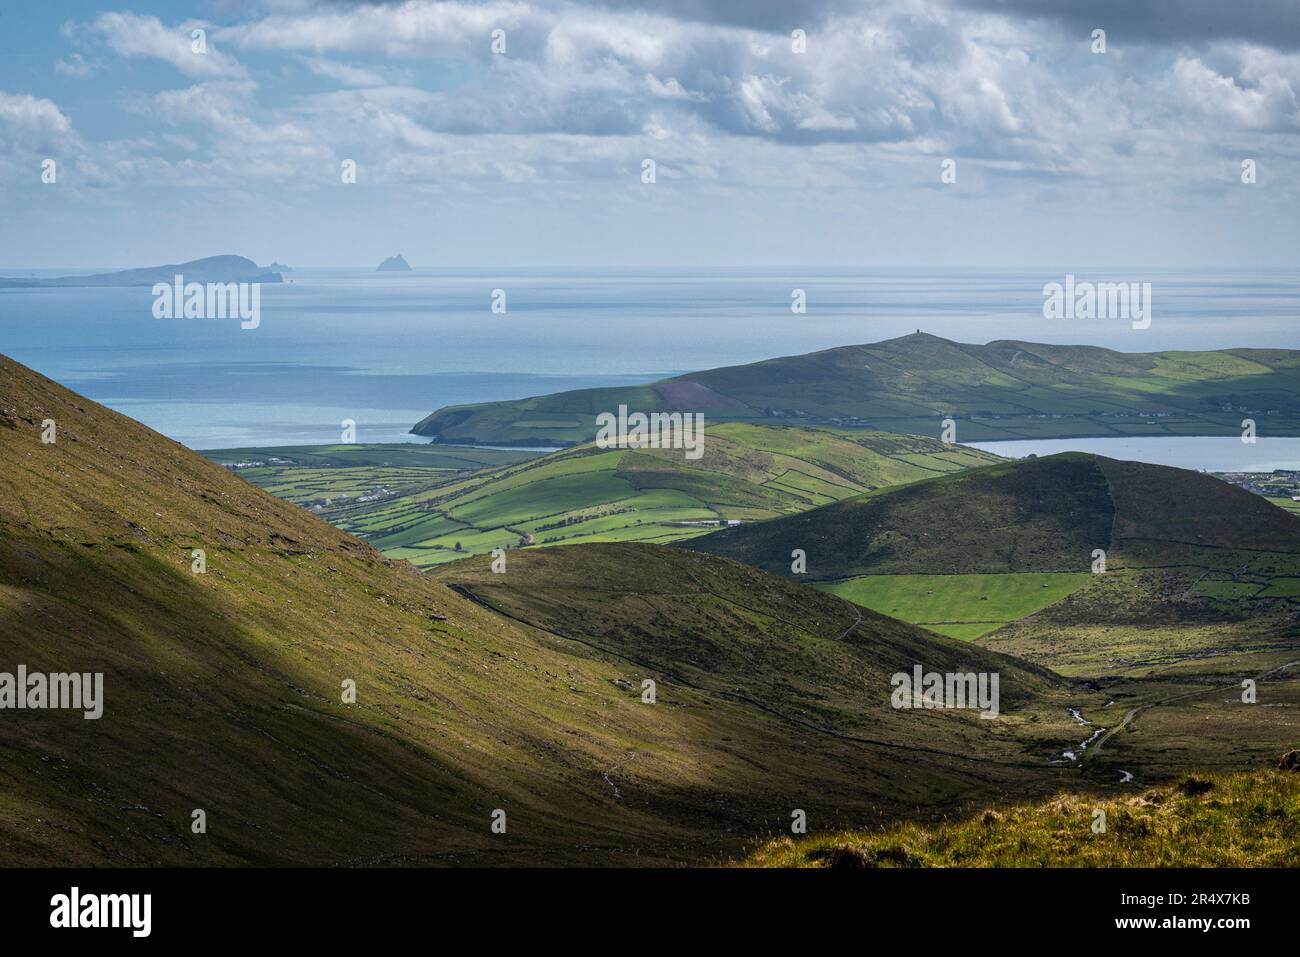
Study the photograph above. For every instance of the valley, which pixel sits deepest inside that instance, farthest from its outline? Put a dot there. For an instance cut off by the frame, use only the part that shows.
(518, 681)
(519, 693)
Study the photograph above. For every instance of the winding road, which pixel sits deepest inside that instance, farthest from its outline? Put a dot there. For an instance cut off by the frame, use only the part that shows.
(1134, 712)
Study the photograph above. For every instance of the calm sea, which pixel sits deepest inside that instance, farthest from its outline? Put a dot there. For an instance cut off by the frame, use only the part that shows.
(385, 350)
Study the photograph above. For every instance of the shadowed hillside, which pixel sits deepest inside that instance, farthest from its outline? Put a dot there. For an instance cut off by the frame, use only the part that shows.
(222, 689)
(719, 625)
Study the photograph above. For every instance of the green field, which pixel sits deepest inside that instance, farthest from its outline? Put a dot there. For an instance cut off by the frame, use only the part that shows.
(414, 454)
(331, 479)
(959, 606)
(747, 473)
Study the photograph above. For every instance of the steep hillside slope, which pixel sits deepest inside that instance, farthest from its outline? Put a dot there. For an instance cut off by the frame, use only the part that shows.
(1000, 390)
(726, 627)
(223, 688)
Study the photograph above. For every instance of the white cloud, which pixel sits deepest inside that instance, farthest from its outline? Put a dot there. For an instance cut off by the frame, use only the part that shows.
(342, 72)
(74, 64)
(1261, 98)
(33, 128)
(31, 124)
(585, 92)
(131, 35)
(33, 115)
(412, 29)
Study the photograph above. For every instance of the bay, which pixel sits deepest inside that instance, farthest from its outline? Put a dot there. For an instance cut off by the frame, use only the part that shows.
(385, 350)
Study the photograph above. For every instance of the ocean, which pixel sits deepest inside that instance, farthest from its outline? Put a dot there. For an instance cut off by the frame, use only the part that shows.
(386, 349)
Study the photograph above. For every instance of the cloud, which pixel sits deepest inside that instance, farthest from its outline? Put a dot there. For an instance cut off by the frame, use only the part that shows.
(411, 29)
(893, 71)
(240, 148)
(341, 72)
(1272, 23)
(780, 16)
(74, 65)
(714, 91)
(35, 121)
(132, 35)
(1269, 103)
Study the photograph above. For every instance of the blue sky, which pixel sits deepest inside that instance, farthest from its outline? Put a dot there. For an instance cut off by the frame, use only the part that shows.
(764, 155)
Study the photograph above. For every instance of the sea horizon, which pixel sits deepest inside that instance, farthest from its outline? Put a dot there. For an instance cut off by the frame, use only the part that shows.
(386, 349)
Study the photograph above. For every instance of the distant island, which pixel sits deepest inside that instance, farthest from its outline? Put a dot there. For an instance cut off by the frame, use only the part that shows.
(279, 267)
(394, 264)
(211, 269)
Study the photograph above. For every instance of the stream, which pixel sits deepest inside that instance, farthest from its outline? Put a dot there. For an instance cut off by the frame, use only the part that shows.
(1074, 754)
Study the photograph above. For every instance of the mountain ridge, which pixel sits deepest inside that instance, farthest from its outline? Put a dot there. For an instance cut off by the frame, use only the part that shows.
(1003, 389)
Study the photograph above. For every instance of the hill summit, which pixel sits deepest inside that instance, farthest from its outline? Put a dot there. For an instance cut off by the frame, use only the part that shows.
(1034, 515)
(1000, 390)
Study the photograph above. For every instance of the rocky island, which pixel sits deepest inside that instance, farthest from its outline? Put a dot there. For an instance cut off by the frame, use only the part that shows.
(210, 269)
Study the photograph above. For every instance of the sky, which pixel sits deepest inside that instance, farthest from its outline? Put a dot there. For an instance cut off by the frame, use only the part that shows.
(782, 133)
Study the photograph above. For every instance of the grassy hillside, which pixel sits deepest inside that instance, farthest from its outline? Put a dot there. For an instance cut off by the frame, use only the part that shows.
(729, 628)
(1223, 820)
(940, 541)
(1036, 515)
(1000, 390)
(747, 473)
(749, 642)
(223, 688)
